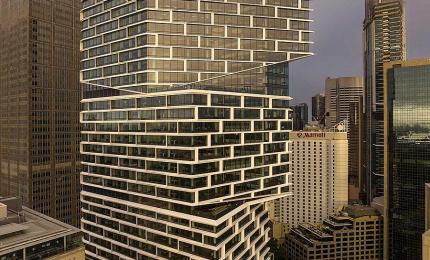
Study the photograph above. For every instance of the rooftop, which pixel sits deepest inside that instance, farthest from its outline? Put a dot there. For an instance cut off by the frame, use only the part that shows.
(21, 227)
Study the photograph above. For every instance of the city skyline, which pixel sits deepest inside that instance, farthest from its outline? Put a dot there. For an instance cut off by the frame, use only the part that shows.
(341, 56)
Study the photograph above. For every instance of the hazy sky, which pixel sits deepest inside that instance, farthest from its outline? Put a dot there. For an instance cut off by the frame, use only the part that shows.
(338, 43)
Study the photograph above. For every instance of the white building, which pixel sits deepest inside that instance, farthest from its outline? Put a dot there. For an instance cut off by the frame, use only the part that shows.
(185, 127)
(319, 180)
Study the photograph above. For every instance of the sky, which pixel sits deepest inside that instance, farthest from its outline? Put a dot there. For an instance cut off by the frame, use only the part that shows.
(338, 47)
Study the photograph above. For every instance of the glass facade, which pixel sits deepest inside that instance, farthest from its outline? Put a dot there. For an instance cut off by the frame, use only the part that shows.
(384, 41)
(185, 124)
(408, 163)
(39, 105)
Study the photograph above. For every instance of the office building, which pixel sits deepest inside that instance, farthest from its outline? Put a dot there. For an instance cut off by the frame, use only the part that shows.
(300, 116)
(384, 41)
(407, 156)
(356, 176)
(319, 180)
(339, 94)
(318, 108)
(185, 127)
(354, 233)
(27, 234)
(39, 105)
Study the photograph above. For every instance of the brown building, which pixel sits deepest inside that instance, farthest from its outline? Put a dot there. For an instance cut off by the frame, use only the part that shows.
(39, 105)
(355, 233)
(356, 130)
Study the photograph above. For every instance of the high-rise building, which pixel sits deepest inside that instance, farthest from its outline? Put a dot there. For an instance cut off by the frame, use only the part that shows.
(339, 94)
(343, 99)
(407, 156)
(356, 176)
(318, 108)
(384, 41)
(354, 233)
(300, 116)
(319, 180)
(40, 104)
(183, 171)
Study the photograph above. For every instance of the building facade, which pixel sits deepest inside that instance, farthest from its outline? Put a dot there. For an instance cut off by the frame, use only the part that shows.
(186, 130)
(354, 233)
(356, 131)
(319, 180)
(407, 156)
(426, 234)
(300, 116)
(384, 41)
(339, 94)
(40, 104)
(318, 108)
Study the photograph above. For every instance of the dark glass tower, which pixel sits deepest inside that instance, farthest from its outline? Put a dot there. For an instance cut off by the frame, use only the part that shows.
(300, 116)
(383, 42)
(407, 159)
(318, 108)
(40, 104)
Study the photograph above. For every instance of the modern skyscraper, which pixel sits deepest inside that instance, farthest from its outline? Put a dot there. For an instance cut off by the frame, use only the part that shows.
(384, 41)
(407, 156)
(319, 180)
(182, 171)
(354, 233)
(318, 107)
(339, 94)
(300, 116)
(40, 104)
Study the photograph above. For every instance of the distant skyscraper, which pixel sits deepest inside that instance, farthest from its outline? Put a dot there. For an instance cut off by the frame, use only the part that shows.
(339, 94)
(181, 170)
(354, 233)
(300, 116)
(39, 105)
(318, 107)
(384, 41)
(319, 180)
(407, 157)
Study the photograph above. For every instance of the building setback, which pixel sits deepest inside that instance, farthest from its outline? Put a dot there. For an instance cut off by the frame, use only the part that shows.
(319, 180)
(384, 41)
(40, 104)
(186, 128)
(354, 233)
(407, 156)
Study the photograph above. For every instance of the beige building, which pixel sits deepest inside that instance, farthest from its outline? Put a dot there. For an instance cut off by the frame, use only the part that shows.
(354, 233)
(319, 180)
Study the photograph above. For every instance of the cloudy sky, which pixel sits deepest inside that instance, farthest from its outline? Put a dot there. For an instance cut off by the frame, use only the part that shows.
(338, 43)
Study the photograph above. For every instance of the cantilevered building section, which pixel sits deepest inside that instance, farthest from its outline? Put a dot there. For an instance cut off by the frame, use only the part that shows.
(384, 41)
(180, 170)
